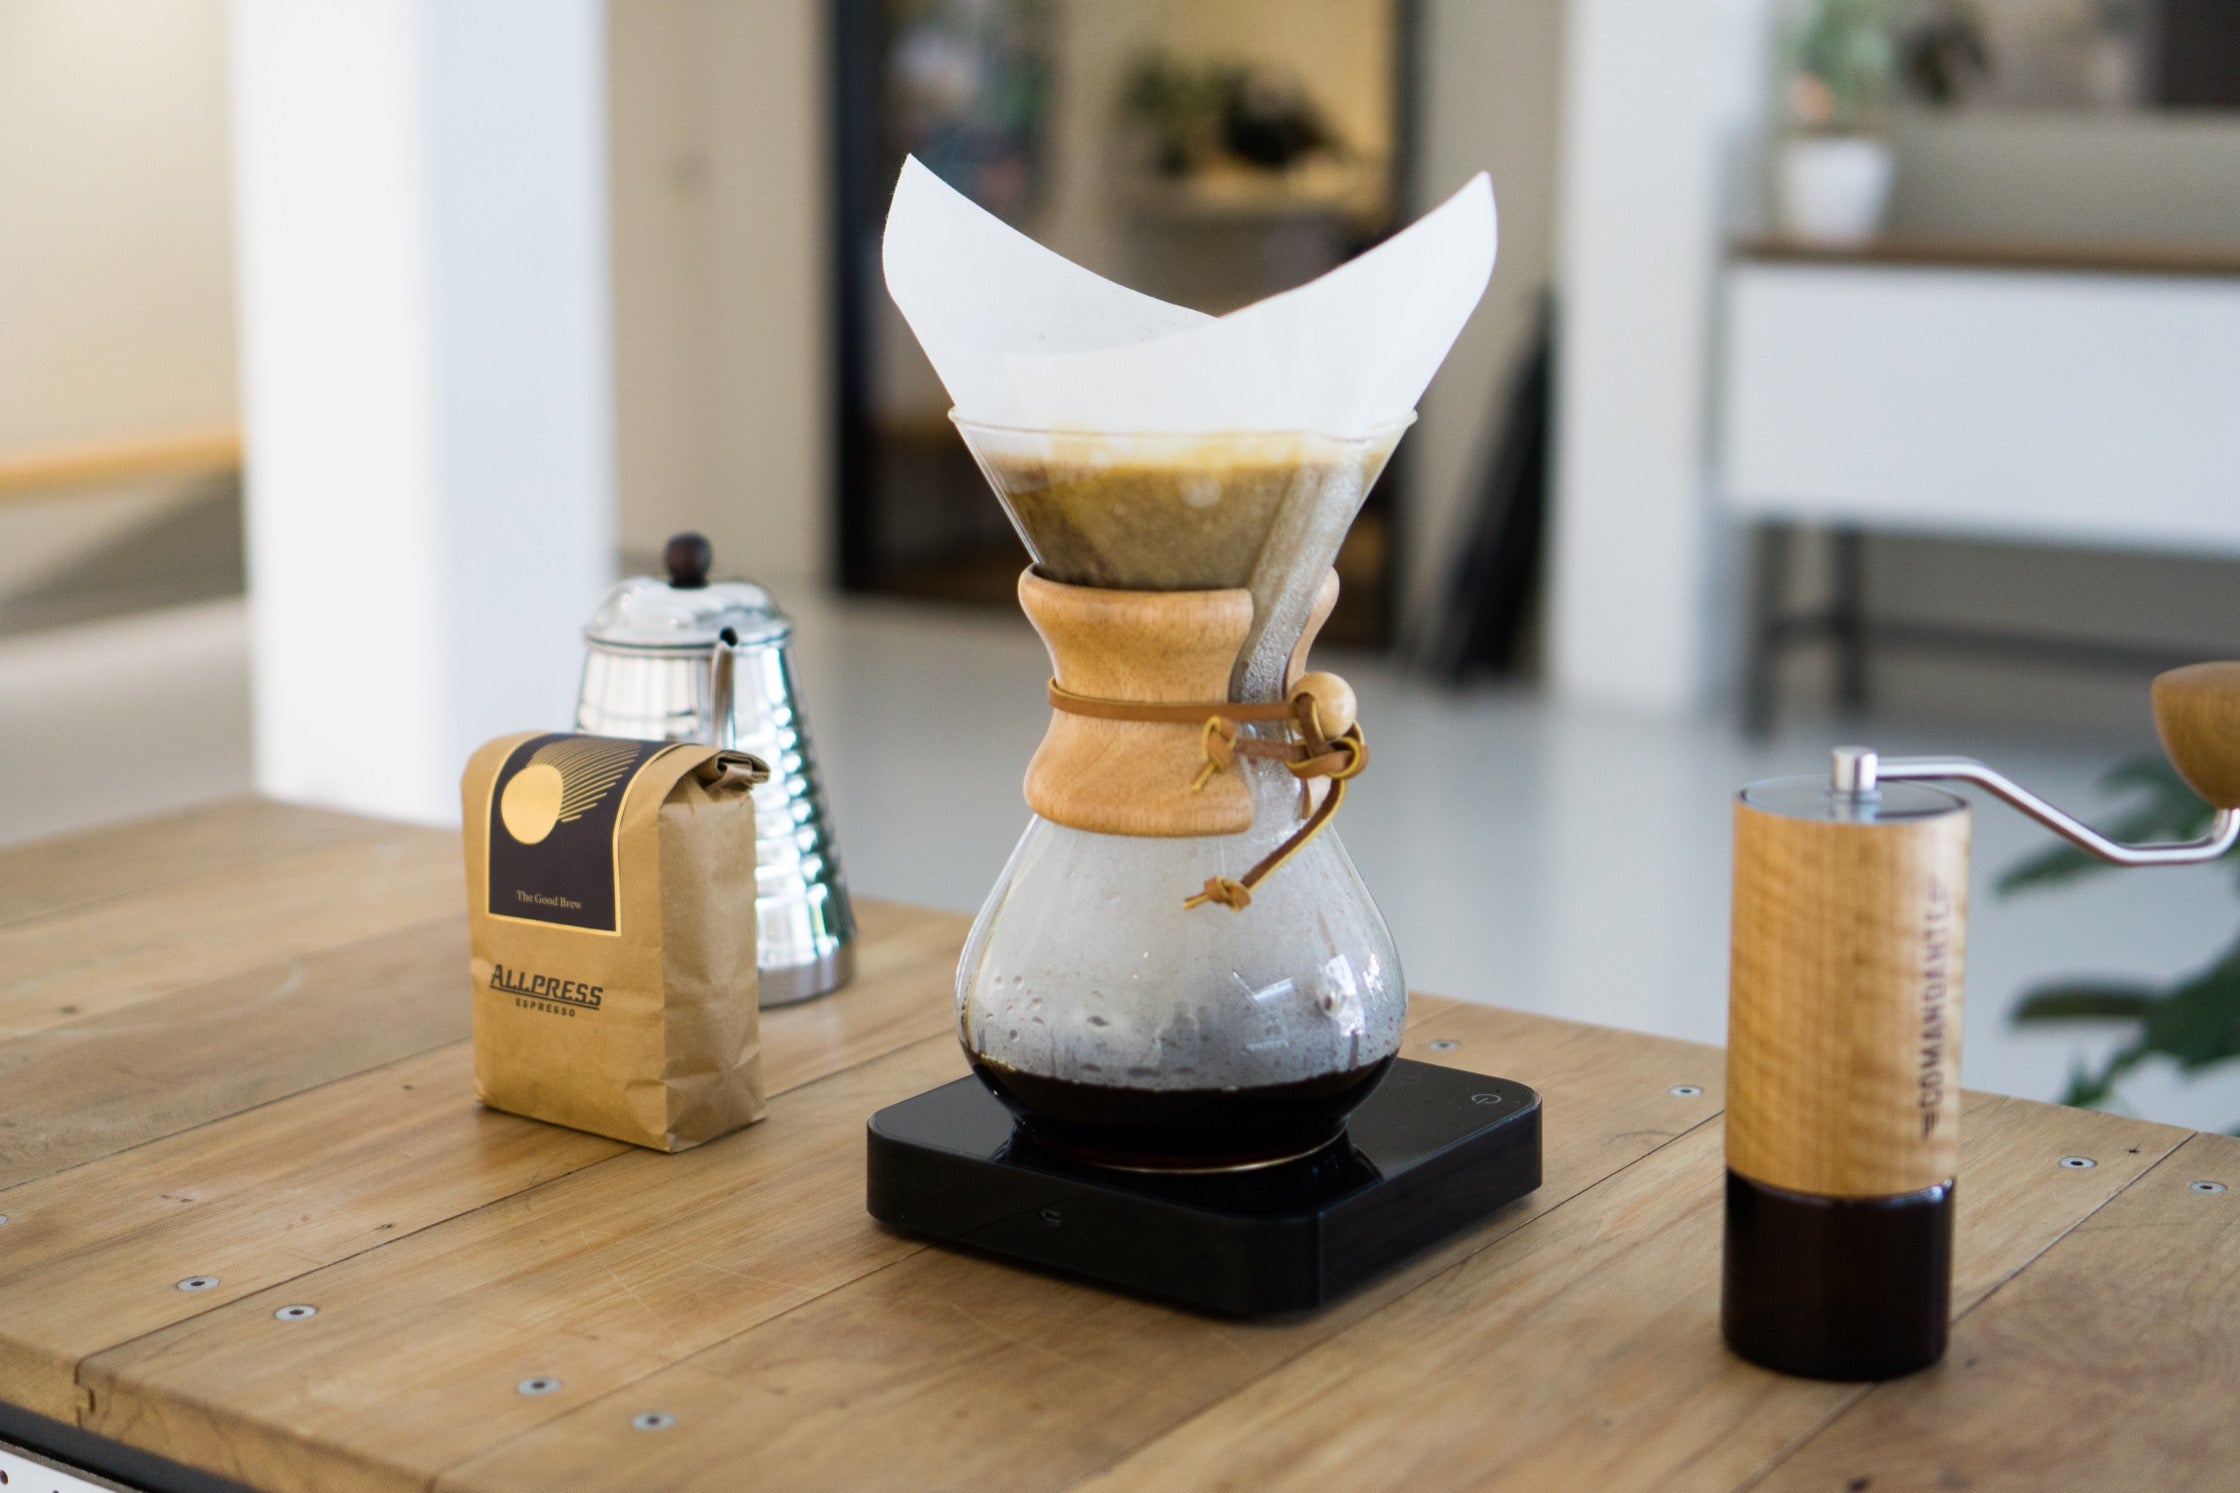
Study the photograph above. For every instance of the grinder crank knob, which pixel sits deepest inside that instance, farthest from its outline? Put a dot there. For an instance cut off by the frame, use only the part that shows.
(2197, 714)
(1335, 709)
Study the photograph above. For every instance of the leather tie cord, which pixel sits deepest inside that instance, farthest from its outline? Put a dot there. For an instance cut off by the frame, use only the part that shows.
(1313, 755)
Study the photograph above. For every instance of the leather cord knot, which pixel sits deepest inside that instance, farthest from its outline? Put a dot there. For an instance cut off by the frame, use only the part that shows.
(1306, 749)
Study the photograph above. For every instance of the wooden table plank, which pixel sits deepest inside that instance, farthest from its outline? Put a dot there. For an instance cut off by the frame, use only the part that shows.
(91, 1085)
(904, 990)
(91, 1256)
(2113, 1362)
(88, 1262)
(597, 1279)
(104, 956)
(42, 877)
(947, 1370)
(1583, 1351)
(72, 1094)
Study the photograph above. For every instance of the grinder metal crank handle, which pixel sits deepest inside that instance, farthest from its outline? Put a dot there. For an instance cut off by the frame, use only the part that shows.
(2197, 714)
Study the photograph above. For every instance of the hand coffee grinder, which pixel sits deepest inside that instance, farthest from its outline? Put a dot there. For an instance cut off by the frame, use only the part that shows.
(1843, 1042)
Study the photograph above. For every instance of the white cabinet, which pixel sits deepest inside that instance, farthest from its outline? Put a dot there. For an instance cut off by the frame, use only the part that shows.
(2093, 406)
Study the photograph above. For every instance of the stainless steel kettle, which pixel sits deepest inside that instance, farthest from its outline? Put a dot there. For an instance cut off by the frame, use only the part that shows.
(685, 660)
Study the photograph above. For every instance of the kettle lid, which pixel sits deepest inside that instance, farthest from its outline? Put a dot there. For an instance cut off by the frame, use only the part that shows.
(685, 611)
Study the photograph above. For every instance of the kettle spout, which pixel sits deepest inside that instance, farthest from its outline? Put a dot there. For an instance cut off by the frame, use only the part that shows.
(720, 728)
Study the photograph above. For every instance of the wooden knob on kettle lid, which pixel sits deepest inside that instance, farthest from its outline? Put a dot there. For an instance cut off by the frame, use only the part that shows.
(2197, 714)
(1335, 708)
(687, 557)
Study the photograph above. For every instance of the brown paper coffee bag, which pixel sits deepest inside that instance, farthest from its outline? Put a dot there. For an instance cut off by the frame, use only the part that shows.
(610, 908)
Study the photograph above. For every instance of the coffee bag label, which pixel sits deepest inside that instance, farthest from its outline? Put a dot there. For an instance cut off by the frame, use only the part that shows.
(554, 819)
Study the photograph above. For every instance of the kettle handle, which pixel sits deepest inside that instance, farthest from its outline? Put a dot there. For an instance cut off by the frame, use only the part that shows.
(723, 666)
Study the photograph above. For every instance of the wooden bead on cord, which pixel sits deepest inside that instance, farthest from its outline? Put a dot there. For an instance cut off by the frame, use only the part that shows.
(1335, 707)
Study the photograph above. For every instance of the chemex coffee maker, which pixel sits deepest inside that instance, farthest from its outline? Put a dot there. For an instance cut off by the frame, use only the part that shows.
(1182, 1009)
(1843, 1034)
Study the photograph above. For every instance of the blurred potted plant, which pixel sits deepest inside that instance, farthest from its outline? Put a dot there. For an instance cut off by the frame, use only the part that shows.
(1178, 111)
(1835, 168)
(1944, 56)
(2196, 1021)
(1846, 60)
(1196, 118)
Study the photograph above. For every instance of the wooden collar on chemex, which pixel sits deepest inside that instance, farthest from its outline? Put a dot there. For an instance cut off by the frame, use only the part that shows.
(1324, 741)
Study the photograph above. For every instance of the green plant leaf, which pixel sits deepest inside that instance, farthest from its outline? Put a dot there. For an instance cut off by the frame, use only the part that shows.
(2089, 1090)
(2198, 1023)
(2083, 1001)
(1850, 46)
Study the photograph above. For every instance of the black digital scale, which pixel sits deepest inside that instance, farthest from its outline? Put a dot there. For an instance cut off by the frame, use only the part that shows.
(1432, 1151)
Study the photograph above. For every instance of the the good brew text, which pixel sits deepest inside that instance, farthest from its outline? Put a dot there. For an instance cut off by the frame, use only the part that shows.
(546, 899)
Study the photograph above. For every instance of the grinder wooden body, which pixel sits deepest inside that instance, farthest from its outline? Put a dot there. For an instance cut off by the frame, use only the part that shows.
(1843, 1081)
(1843, 1027)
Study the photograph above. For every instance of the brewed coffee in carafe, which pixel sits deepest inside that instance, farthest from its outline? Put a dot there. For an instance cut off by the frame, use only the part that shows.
(1121, 1021)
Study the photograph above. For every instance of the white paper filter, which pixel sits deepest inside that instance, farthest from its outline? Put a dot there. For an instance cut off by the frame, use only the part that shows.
(1025, 337)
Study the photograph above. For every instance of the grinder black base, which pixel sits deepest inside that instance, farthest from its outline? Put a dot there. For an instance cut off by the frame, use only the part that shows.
(1837, 1288)
(1432, 1151)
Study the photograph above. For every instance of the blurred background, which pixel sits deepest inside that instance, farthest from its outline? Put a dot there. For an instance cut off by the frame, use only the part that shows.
(1852, 370)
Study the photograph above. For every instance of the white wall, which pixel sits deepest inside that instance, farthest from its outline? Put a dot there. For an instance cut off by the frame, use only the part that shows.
(2131, 177)
(116, 297)
(425, 319)
(1660, 101)
(722, 311)
(116, 252)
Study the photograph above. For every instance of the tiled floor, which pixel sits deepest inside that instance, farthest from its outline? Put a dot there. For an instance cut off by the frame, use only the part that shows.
(1556, 859)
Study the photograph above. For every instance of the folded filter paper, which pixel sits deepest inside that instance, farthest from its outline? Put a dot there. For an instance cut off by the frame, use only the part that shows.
(1026, 338)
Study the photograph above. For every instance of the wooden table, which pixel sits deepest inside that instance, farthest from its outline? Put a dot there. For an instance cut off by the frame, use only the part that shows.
(232, 1046)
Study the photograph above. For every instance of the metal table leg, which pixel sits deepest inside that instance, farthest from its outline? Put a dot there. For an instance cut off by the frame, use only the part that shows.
(1769, 597)
(1847, 615)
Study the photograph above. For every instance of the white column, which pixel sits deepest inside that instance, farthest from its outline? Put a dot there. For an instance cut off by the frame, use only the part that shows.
(1661, 98)
(421, 232)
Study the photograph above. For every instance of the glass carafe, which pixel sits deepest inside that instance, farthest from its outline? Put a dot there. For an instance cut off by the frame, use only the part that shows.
(1123, 1025)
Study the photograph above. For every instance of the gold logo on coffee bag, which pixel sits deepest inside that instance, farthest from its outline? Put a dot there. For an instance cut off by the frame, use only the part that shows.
(561, 783)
